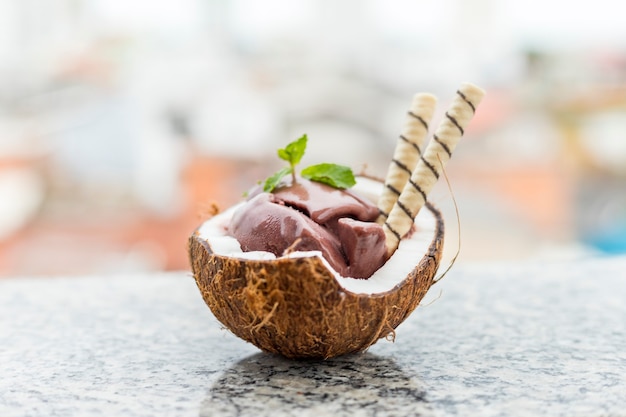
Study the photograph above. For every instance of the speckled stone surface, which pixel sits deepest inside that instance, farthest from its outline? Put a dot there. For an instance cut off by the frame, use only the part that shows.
(490, 340)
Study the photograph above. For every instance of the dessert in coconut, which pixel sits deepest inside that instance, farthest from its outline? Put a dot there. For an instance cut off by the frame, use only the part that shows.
(308, 268)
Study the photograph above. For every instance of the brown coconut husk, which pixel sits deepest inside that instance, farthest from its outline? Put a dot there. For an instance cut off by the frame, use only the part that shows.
(295, 307)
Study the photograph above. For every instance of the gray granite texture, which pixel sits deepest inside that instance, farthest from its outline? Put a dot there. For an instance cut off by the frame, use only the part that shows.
(534, 339)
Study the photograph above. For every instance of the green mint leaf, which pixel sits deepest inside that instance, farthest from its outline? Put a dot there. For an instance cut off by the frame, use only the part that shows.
(274, 180)
(338, 176)
(294, 151)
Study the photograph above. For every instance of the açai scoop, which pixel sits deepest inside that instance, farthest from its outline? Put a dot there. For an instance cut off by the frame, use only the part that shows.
(310, 216)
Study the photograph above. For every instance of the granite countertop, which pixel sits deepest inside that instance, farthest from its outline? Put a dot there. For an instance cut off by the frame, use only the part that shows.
(541, 338)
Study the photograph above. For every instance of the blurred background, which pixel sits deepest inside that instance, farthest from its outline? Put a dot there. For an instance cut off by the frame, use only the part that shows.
(122, 123)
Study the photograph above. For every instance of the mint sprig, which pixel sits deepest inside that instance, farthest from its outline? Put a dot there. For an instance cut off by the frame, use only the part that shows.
(275, 179)
(337, 176)
(294, 151)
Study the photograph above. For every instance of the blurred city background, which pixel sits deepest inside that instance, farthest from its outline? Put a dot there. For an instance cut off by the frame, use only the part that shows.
(123, 122)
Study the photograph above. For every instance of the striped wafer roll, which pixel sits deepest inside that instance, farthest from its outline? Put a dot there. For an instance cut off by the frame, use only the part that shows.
(407, 152)
(427, 170)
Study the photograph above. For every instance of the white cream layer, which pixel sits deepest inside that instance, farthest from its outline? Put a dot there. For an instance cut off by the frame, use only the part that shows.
(406, 257)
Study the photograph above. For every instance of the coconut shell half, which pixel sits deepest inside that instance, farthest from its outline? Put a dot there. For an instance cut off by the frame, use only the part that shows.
(296, 306)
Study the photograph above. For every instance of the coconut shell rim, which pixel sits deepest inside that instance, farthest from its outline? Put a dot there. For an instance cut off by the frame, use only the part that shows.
(433, 254)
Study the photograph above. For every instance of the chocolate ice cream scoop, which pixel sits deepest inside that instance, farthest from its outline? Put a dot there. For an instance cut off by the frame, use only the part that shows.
(325, 204)
(313, 216)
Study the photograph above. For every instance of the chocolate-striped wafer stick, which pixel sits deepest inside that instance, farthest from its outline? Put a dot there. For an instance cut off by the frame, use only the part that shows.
(407, 152)
(427, 170)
